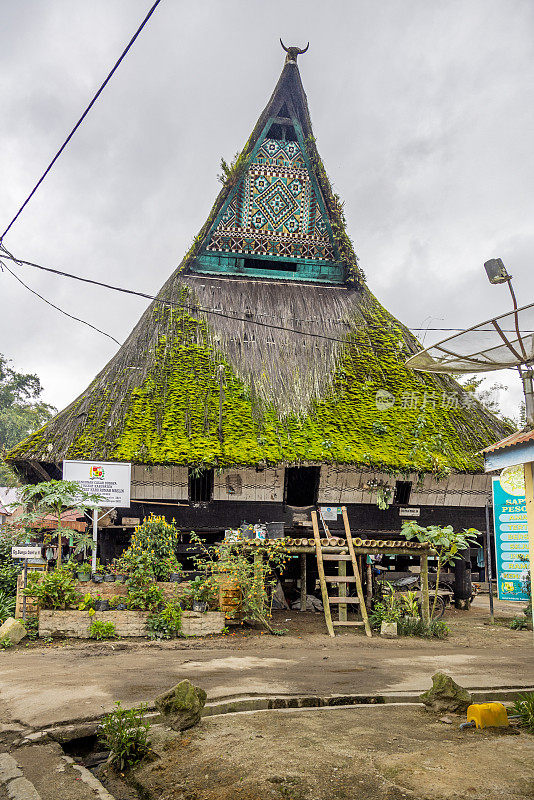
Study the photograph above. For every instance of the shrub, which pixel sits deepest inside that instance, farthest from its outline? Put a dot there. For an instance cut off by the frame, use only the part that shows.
(9, 569)
(7, 606)
(519, 624)
(438, 629)
(143, 597)
(524, 709)
(102, 630)
(125, 734)
(167, 623)
(156, 540)
(200, 590)
(55, 590)
(412, 626)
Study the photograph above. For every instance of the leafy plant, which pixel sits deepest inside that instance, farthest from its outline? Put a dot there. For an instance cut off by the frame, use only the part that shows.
(102, 630)
(7, 606)
(167, 623)
(200, 590)
(155, 543)
(124, 733)
(55, 590)
(53, 498)
(32, 627)
(438, 629)
(117, 600)
(386, 609)
(524, 709)
(83, 542)
(6, 643)
(87, 602)
(447, 543)
(255, 573)
(519, 624)
(410, 602)
(415, 626)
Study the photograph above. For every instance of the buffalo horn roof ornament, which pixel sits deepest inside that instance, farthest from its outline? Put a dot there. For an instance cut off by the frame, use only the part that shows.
(293, 52)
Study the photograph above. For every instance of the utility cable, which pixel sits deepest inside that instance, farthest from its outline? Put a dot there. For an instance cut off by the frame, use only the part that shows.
(194, 308)
(61, 310)
(81, 119)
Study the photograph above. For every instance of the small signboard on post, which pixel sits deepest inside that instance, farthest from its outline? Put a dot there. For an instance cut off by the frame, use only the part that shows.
(511, 534)
(26, 551)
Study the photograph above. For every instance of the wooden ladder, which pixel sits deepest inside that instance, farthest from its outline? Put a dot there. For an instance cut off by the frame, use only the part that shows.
(342, 579)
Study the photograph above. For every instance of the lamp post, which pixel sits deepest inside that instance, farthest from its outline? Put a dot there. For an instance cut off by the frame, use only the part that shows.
(497, 273)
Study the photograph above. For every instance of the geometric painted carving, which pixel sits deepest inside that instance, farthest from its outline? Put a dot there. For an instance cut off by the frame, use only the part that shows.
(274, 210)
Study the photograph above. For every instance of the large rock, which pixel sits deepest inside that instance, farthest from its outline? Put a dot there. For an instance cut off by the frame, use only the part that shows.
(446, 695)
(13, 630)
(182, 705)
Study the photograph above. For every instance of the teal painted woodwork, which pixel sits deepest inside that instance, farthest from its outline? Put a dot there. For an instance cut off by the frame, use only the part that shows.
(274, 222)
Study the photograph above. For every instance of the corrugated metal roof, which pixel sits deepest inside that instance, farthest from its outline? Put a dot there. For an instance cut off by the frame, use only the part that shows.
(516, 438)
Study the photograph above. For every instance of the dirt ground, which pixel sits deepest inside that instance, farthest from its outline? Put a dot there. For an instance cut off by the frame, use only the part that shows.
(361, 753)
(75, 680)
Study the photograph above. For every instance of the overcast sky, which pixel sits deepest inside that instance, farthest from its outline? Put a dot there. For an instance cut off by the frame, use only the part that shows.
(423, 113)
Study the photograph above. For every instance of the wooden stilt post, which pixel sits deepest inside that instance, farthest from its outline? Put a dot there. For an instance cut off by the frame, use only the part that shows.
(303, 581)
(369, 586)
(359, 589)
(424, 588)
(320, 567)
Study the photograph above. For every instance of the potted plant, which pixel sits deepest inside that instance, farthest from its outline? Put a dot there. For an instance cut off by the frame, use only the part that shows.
(101, 603)
(109, 577)
(84, 572)
(387, 612)
(199, 593)
(98, 574)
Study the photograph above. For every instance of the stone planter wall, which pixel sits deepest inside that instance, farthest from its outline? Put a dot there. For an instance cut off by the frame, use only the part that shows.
(76, 624)
(196, 624)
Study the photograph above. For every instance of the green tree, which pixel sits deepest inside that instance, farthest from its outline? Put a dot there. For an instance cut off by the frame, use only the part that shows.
(447, 543)
(53, 498)
(22, 410)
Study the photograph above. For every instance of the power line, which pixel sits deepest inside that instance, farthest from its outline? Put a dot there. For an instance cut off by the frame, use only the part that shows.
(217, 312)
(81, 119)
(61, 310)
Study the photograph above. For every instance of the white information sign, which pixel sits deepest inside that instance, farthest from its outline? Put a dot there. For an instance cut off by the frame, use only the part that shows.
(26, 552)
(330, 513)
(110, 479)
(409, 512)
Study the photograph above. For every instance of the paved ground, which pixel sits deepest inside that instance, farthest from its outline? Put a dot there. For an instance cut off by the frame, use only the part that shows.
(46, 685)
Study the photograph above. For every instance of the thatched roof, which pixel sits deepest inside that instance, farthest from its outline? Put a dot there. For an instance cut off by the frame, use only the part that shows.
(220, 387)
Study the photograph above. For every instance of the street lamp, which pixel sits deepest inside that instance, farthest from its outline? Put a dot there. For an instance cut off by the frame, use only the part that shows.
(497, 273)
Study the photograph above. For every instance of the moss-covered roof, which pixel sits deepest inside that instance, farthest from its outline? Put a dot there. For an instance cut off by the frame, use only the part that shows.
(223, 388)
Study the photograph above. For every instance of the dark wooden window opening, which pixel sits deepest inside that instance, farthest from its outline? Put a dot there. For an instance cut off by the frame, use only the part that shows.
(200, 485)
(403, 490)
(265, 263)
(301, 486)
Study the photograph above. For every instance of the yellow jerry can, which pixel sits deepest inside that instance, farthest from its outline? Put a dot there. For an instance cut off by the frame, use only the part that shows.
(488, 715)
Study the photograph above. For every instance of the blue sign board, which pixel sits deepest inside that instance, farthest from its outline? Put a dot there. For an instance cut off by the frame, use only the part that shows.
(511, 534)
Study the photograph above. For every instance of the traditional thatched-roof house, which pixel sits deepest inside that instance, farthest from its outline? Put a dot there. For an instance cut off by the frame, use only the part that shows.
(267, 377)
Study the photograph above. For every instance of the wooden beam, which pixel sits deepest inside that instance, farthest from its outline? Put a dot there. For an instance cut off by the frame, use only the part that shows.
(303, 581)
(40, 470)
(320, 567)
(359, 589)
